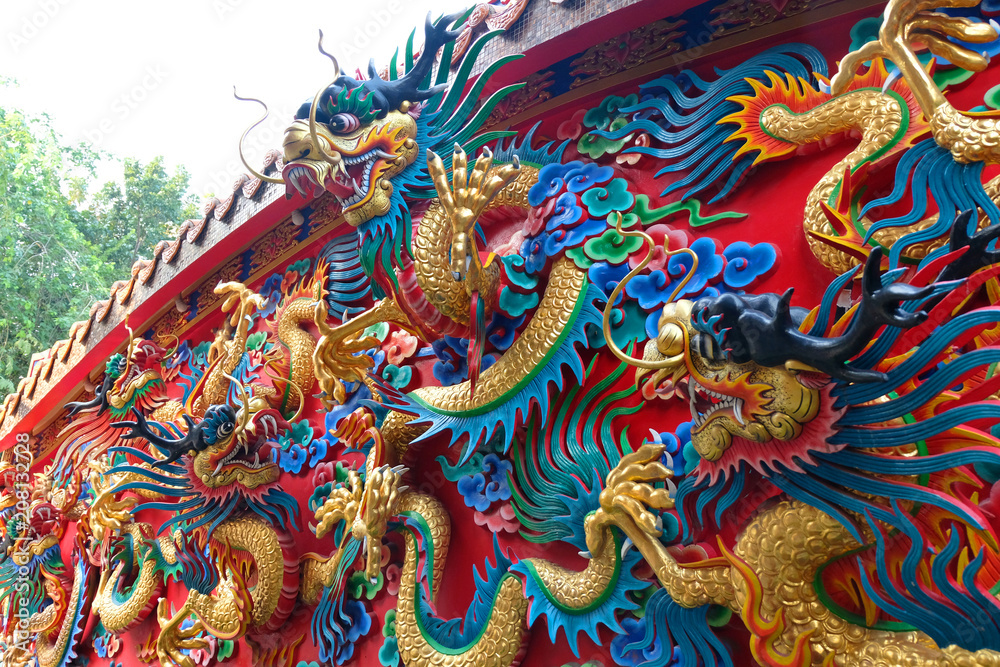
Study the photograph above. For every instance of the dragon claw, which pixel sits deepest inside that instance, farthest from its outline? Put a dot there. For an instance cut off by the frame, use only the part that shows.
(464, 197)
(629, 499)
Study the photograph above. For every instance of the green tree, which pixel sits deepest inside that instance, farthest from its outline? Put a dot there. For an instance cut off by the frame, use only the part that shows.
(128, 221)
(49, 272)
(60, 246)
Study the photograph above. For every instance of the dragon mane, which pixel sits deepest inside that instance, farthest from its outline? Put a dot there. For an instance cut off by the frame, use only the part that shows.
(921, 437)
(446, 115)
(196, 504)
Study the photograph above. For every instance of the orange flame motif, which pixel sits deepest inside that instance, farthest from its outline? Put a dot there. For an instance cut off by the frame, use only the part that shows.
(794, 93)
(797, 95)
(766, 633)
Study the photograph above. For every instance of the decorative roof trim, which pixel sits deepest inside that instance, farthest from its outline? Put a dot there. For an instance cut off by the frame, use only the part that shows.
(47, 369)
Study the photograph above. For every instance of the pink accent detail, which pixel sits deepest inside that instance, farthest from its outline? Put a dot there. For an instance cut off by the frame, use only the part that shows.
(501, 519)
(401, 346)
(537, 217)
(512, 246)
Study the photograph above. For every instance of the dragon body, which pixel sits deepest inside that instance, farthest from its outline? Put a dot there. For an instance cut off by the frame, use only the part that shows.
(771, 577)
(42, 597)
(826, 489)
(203, 459)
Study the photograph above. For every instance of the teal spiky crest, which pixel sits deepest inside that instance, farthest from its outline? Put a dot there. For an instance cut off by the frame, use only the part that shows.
(353, 101)
(574, 621)
(511, 409)
(115, 366)
(447, 118)
(555, 488)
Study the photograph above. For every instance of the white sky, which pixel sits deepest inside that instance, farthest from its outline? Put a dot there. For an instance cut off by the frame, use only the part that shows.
(141, 78)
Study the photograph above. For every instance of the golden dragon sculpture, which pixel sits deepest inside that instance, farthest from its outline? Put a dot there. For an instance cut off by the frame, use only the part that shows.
(847, 433)
(772, 577)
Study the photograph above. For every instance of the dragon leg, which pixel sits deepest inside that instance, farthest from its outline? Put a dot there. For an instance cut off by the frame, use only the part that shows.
(499, 640)
(769, 579)
(234, 607)
(499, 643)
(277, 567)
(886, 120)
(784, 547)
(334, 360)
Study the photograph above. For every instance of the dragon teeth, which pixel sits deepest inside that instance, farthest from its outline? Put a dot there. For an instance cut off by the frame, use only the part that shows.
(725, 402)
(361, 190)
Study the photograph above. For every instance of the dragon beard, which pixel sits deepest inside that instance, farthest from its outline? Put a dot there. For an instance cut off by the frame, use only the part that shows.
(789, 454)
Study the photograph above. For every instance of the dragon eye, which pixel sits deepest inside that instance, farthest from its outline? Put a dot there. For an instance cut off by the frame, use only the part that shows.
(344, 122)
(226, 428)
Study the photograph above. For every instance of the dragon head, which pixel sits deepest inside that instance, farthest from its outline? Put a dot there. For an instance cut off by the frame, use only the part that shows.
(224, 448)
(137, 377)
(355, 136)
(233, 451)
(130, 380)
(749, 371)
(355, 154)
(730, 397)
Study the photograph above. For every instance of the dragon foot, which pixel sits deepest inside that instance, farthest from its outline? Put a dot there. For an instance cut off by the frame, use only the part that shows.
(365, 505)
(174, 640)
(970, 138)
(464, 200)
(339, 357)
(628, 498)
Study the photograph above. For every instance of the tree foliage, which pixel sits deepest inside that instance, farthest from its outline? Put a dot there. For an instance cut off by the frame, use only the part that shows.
(131, 218)
(60, 247)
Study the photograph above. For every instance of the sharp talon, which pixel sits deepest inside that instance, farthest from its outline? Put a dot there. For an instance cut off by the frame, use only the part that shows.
(517, 162)
(627, 546)
(487, 152)
(585, 554)
(458, 147)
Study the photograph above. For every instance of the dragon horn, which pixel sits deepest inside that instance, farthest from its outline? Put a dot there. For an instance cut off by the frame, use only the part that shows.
(244, 398)
(254, 172)
(336, 65)
(129, 349)
(315, 103)
(177, 346)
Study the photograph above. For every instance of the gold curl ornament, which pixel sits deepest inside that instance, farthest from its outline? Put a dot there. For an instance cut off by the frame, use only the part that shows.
(658, 364)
